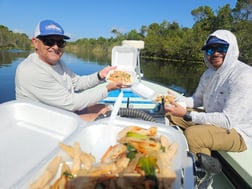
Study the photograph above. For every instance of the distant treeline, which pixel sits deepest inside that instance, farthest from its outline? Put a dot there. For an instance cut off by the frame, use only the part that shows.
(12, 40)
(168, 40)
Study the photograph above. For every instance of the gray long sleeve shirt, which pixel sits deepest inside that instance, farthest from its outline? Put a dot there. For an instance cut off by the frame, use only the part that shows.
(225, 93)
(56, 85)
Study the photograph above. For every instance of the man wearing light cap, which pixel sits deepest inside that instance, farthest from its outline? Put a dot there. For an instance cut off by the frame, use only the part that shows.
(224, 91)
(44, 77)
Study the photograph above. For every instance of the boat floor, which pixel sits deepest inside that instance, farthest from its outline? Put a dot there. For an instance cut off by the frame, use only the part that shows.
(220, 181)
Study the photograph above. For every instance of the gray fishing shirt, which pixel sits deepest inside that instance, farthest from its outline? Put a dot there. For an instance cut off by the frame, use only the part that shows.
(56, 85)
(225, 93)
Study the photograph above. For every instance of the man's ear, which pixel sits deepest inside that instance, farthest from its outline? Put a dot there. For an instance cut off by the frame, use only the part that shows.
(35, 43)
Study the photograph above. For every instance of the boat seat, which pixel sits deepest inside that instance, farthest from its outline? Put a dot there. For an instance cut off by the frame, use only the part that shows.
(129, 99)
(237, 166)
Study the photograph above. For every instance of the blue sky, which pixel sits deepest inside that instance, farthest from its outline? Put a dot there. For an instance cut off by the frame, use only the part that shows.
(95, 18)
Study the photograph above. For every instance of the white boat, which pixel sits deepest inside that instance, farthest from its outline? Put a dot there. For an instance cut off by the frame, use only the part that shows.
(30, 133)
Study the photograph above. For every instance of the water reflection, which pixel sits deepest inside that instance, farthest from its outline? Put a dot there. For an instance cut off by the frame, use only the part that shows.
(103, 59)
(176, 75)
(8, 62)
(181, 76)
(7, 56)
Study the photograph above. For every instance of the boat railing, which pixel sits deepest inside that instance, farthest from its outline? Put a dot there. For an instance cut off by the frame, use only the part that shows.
(236, 166)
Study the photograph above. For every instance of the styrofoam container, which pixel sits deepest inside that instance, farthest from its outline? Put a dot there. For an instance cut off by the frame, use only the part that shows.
(30, 134)
(143, 91)
(97, 137)
(124, 57)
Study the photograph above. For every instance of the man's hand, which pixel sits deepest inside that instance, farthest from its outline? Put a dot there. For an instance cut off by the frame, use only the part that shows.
(104, 72)
(112, 86)
(175, 109)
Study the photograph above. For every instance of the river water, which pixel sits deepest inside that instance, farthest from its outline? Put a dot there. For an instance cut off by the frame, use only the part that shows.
(182, 77)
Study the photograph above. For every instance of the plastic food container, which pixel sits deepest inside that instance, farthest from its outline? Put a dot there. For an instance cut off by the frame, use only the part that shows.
(30, 136)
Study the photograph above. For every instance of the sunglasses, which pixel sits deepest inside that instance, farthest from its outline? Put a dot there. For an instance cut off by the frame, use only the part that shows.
(51, 42)
(221, 49)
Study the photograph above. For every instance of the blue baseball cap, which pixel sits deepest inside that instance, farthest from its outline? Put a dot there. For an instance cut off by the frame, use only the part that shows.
(214, 40)
(49, 27)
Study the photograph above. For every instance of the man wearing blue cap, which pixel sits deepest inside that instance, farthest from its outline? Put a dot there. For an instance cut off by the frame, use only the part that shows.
(224, 92)
(43, 76)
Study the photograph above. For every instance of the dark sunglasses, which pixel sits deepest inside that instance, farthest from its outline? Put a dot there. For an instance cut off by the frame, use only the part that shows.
(51, 42)
(221, 49)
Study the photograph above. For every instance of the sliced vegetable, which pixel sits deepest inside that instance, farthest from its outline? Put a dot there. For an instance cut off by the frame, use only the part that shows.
(148, 165)
(137, 136)
(162, 148)
(131, 151)
(68, 174)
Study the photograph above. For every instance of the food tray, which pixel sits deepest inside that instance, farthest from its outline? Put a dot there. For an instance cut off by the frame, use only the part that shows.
(30, 136)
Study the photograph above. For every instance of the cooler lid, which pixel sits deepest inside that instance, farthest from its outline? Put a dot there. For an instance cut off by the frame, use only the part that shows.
(139, 44)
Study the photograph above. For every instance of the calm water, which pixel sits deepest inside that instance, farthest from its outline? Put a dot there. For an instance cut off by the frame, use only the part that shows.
(175, 75)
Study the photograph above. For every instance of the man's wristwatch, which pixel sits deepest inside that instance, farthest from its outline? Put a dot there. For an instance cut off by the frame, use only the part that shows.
(187, 116)
(99, 77)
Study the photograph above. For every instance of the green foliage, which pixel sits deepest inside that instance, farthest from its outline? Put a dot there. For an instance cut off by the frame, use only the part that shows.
(11, 40)
(173, 42)
(165, 40)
